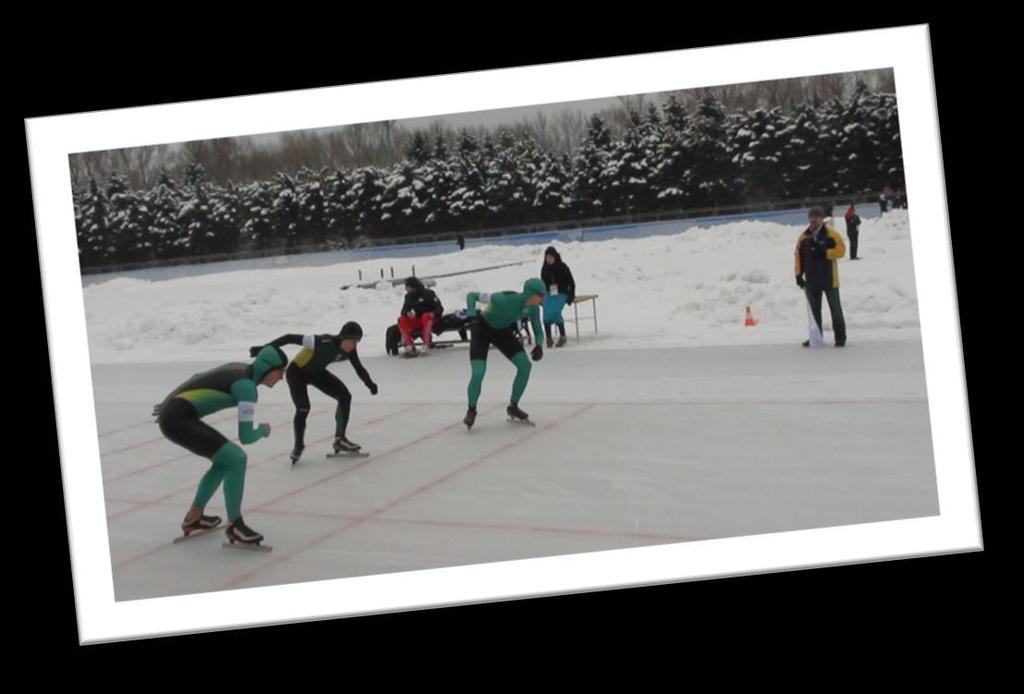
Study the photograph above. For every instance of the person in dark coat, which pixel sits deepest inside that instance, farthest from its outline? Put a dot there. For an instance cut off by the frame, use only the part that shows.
(817, 253)
(853, 230)
(561, 291)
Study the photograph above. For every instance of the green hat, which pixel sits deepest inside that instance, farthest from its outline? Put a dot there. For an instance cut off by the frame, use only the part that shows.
(268, 359)
(534, 285)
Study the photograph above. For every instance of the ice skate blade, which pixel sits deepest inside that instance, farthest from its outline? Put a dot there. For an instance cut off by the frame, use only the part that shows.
(246, 546)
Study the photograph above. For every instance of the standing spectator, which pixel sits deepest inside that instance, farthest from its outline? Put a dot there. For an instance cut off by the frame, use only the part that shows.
(852, 230)
(886, 199)
(561, 291)
(461, 241)
(900, 200)
(817, 271)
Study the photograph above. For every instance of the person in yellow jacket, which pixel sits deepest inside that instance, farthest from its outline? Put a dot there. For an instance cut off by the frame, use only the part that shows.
(817, 270)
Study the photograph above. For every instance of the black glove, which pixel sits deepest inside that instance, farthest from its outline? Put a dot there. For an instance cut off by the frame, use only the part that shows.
(536, 353)
(800, 282)
(156, 409)
(373, 389)
(569, 301)
(253, 351)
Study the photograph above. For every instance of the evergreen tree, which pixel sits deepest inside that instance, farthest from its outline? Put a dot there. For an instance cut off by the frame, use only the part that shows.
(287, 212)
(712, 172)
(831, 133)
(401, 201)
(257, 215)
(338, 219)
(467, 204)
(418, 151)
(95, 240)
(167, 238)
(803, 150)
(312, 224)
(672, 177)
(552, 198)
(757, 151)
(588, 180)
(363, 199)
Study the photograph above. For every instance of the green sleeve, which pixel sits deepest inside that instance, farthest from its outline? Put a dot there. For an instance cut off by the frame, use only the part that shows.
(471, 303)
(538, 327)
(245, 394)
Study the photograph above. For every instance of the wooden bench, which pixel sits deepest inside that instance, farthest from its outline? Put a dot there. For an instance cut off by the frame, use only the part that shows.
(577, 300)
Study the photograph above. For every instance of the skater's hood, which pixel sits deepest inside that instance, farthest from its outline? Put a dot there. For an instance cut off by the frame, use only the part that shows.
(268, 359)
(534, 285)
(351, 331)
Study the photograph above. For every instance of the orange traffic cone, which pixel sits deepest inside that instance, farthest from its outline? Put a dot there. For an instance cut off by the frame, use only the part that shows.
(749, 322)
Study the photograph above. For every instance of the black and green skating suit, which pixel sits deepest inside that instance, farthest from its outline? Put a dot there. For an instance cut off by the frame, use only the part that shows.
(309, 368)
(180, 419)
(495, 327)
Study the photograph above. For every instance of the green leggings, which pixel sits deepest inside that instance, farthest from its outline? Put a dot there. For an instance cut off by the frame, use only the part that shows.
(479, 368)
(228, 467)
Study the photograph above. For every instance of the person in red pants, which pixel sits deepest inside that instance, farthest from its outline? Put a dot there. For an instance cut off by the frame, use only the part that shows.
(420, 311)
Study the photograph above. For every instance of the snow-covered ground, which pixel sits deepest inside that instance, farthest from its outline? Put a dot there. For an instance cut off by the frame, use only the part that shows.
(712, 430)
(683, 290)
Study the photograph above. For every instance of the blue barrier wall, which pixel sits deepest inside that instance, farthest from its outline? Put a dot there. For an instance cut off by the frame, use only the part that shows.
(601, 233)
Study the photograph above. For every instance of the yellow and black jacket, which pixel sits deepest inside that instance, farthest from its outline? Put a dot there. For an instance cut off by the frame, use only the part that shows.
(816, 257)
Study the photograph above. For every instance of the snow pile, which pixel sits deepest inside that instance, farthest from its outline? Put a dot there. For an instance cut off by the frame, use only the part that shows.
(691, 288)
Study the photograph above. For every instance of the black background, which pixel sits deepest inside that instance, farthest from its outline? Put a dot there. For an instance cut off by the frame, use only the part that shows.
(877, 610)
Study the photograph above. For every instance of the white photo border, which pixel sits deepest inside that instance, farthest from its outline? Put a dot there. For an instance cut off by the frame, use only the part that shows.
(906, 50)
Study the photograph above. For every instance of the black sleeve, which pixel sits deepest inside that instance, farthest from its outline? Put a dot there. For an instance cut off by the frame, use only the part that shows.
(570, 287)
(361, 371)
(289, 339)
(437, 307)
(407, 305)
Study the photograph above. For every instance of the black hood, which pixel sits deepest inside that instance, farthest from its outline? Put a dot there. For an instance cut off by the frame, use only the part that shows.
(551, 251)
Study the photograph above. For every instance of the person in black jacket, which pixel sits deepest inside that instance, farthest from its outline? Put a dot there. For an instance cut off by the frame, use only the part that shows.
(853, 230)
(309, 368)
(561, 291)
(817, 255)
(420, 311)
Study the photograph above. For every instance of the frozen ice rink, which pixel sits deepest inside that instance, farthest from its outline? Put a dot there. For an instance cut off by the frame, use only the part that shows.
(631, 448)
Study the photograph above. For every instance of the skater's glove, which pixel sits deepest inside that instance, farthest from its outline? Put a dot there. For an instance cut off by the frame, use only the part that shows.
(537, 353)
(264, 429)
(253, 351)
(800, 282)
(373, 389)
(156, 409)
